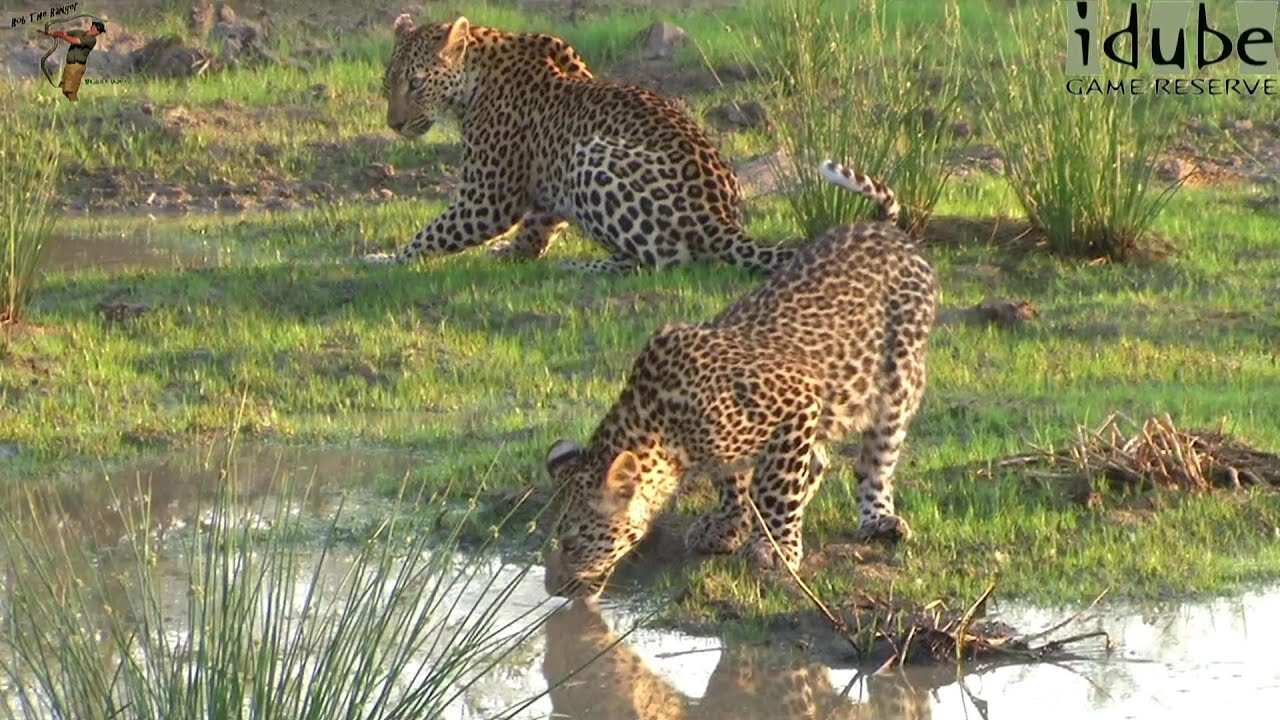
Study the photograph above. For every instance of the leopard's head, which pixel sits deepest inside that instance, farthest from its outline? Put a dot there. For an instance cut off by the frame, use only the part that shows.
(426, 73)
(601, 519)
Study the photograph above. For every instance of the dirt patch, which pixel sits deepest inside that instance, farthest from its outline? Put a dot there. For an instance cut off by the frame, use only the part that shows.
(764, 175)
(1008, 314)
(1126, 455)
(665, 76)
(1236, 151)
(120, 312)
(1007, 232)
(731, 115)
(626, 302)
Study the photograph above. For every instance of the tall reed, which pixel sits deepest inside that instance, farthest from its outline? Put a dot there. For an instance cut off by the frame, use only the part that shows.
(29, 163)
(244, 617)
(1082, 167)
(847, 83)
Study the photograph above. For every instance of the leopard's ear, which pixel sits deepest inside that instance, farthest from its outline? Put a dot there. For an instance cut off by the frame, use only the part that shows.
(455, 42)
(562, 451)
(623, 477)
(403, 25)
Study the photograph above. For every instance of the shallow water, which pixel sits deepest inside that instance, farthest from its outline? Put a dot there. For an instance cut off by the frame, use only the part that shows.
(120, 252)
(1190, 660)
(1175, 660)
(1178, 661)
(172, 488)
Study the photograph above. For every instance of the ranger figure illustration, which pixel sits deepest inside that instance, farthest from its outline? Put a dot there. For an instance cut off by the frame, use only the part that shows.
(82, 43)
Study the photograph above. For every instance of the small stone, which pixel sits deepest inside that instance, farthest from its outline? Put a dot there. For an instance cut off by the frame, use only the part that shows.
(379, 172)
(738, 72)
(201, 19)
(1007, 313)
(746, 115)
(662, 39)
(1172, 169)
(1243, 125)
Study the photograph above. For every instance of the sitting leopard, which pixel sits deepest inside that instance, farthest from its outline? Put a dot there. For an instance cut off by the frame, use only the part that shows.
(833, 343)
(546, 143)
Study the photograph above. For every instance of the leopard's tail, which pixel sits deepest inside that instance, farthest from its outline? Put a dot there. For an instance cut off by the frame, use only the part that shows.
(885, 198)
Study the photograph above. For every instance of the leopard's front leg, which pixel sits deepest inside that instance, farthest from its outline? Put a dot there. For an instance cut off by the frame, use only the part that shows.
(473, 218)
(787, 475)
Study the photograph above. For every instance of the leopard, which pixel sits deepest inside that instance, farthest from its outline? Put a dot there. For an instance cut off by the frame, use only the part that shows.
(833, 344)
(592, 671)
(546, 143)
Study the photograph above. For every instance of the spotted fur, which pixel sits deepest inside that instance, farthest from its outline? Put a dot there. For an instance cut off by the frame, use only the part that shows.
(832, 344)
(545, 143)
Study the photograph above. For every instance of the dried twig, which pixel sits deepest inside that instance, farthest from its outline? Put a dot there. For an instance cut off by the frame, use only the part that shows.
(1154, 453)
(835, 621)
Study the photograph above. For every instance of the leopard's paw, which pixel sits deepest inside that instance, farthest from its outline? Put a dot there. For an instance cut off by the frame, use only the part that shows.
(890, 528)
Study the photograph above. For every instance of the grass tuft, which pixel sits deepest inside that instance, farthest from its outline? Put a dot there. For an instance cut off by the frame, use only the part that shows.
(29, 161)
(249, 619)
(848, 84)
(1082, 167)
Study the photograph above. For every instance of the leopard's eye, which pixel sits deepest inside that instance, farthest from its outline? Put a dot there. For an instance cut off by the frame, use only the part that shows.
(416, 82)
(569, 545)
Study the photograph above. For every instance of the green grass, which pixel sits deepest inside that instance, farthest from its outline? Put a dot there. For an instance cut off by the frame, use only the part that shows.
(476, 367)
(479, 382)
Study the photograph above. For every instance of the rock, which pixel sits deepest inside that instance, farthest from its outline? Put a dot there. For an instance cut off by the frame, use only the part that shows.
(169, 57)
(179, 118)
(378, 173)
(742, 116)
(1006, 313)
(1172, 169)
(118, 312)
(764, 175)
(662, 39)
(243, 41)
(1243, 125)
(201, 19)
(321, 189)
(985, 158)
(928, 118)
(737, 72)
